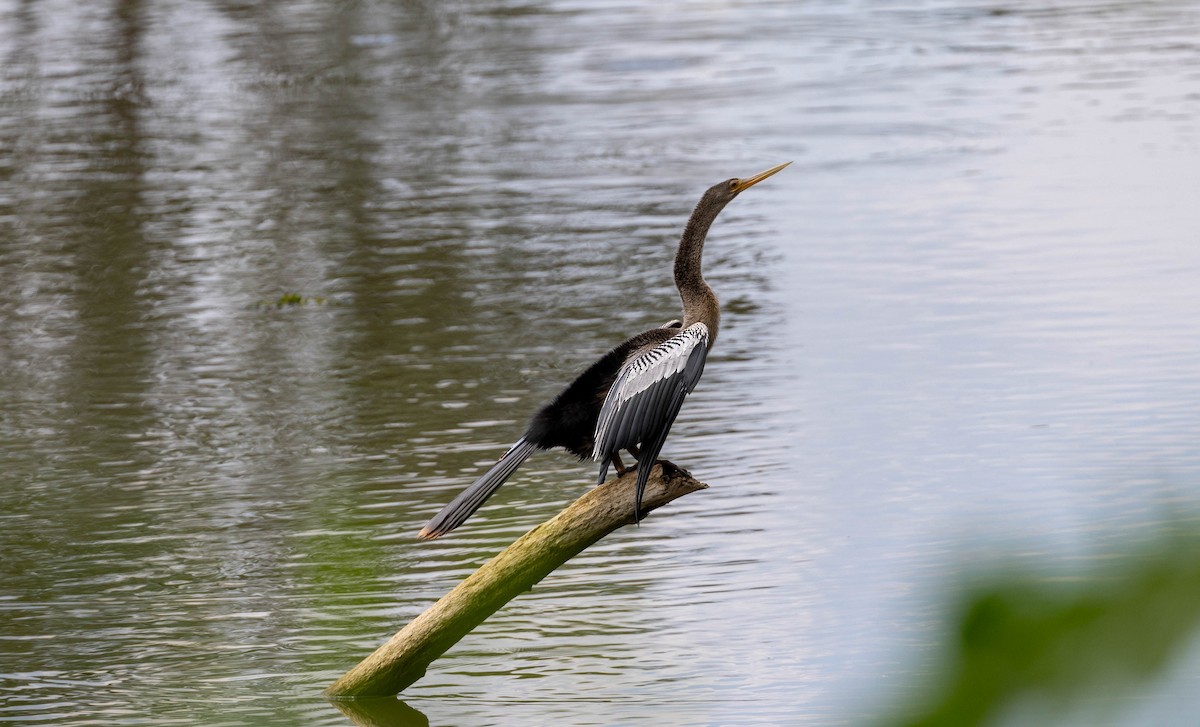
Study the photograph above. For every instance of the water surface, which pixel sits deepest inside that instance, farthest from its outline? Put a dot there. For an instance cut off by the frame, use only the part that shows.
(963, 323)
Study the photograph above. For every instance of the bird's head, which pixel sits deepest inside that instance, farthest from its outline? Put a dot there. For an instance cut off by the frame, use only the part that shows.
(722, 193)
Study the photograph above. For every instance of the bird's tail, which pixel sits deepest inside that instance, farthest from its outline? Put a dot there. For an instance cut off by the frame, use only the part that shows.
(470, 499)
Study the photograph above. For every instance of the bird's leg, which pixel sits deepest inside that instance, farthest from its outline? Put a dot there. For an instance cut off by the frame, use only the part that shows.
(616, 460)
(632, 449)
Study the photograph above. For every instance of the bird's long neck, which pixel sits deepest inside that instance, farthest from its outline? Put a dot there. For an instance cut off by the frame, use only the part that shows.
(700, 304)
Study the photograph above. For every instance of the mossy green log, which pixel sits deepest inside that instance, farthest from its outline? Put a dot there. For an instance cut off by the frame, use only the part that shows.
(404, 658)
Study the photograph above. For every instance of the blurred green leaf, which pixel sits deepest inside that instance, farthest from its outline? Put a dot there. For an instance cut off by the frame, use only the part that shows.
(1021, 636)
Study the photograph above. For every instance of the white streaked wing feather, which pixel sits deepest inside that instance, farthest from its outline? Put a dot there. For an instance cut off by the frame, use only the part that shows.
(645, 378)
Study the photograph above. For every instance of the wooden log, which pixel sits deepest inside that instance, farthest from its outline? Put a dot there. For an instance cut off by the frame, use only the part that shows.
(404, 658)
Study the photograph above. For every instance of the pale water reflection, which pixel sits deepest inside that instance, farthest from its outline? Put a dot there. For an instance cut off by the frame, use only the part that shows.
(964, 322)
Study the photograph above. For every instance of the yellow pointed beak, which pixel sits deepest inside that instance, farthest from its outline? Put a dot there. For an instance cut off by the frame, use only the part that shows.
(748, 182)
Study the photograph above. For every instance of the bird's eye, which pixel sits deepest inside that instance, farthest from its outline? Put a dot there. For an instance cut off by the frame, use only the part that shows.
(733, 184)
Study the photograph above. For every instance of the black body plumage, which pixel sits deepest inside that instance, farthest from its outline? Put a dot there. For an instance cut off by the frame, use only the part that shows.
(569, 421)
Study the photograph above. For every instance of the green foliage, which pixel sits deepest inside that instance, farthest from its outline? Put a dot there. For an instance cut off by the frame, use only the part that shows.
(1024, 637)
(291, 299)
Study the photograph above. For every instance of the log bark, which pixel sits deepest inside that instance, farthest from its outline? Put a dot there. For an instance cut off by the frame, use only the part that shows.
(404, 658)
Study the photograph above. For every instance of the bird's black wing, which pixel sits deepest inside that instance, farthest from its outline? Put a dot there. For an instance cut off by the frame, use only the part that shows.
(646, 397)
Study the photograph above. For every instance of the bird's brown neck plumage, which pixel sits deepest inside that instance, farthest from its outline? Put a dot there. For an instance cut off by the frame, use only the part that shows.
(699, 302)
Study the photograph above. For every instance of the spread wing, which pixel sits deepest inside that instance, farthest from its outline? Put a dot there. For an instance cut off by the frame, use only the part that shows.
(647, 394)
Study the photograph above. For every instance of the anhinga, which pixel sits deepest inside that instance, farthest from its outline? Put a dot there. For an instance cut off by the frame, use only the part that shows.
(630, 397)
